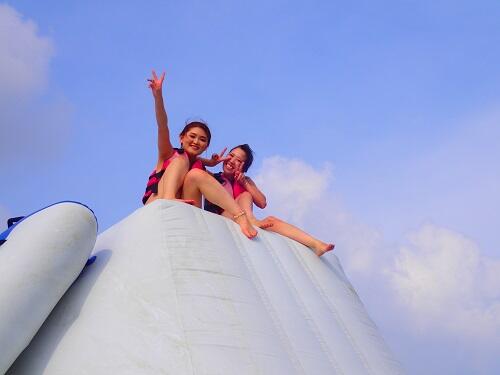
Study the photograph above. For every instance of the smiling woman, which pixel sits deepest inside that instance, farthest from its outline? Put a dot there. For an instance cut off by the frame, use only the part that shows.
(179, 173)
(246, 193)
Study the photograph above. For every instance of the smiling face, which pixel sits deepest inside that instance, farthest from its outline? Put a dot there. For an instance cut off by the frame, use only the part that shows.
(194, 141)
(236, 161)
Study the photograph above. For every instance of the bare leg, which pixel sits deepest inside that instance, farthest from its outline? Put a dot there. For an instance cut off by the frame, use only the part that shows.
(172, 180)
(198, 183)
(245, 201)
(288, 230)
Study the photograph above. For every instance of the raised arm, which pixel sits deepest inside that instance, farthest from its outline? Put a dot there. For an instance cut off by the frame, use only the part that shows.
(165, 149)
(258, 196)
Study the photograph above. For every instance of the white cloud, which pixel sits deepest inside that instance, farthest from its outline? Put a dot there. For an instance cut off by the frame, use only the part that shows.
(32, 126)
(444, 282)
(359, 246)
(302, 195)
(25, 55)
(292, 185)
(437, 289)
(455, 183)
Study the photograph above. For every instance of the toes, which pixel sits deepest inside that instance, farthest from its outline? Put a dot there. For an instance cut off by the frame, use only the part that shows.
(328, 247)
(251, 234)
(264, 224)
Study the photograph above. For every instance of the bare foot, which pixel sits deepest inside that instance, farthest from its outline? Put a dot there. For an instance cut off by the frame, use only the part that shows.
(320, 247)
(246, 227)
(262, 224)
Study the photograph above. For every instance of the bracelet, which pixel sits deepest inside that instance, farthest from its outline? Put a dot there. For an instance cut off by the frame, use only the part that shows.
(237, 216)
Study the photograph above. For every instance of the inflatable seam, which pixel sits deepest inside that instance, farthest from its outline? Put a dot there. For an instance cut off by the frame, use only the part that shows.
(283, 337)
(303, 309)
(383, 351)
(235, 310)
(335, 313)
(166, 254)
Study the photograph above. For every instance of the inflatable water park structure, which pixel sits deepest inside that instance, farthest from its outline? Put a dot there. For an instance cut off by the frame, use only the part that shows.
(175, 290)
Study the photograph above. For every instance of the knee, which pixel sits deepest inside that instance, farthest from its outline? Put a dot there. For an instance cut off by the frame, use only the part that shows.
(195, 175)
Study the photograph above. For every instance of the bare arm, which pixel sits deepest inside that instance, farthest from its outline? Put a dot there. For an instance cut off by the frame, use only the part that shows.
(215, 159)
(258, 196)
(165, 149)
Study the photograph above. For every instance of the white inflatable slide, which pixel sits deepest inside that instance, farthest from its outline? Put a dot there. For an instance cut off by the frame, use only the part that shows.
(39, 260)
(176, 290)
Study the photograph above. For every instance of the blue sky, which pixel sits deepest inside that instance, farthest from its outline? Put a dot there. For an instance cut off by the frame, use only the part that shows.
(378, 120)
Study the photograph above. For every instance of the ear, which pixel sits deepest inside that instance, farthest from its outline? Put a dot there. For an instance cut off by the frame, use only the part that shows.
(180, 139)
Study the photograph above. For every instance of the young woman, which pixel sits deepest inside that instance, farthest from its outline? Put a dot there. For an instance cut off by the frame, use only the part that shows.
(179, 173)
(244, 190)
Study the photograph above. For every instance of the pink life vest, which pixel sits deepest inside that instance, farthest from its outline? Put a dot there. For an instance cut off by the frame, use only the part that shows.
(155, 177)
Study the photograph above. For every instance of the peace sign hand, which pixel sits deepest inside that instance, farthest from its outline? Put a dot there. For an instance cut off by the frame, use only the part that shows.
(155, 84)
(239, 176)
(219, 158)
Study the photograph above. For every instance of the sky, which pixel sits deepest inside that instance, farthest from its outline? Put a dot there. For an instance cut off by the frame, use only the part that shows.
(375, 125)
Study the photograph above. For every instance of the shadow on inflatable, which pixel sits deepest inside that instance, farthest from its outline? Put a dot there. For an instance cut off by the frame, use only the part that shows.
(63, 316)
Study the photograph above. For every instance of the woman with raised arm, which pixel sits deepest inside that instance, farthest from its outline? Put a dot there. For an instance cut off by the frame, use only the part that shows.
(179, 173)
(244, 190)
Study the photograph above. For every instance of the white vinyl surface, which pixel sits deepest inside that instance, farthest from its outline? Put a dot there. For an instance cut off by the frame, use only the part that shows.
(177, 290)
(42, 257)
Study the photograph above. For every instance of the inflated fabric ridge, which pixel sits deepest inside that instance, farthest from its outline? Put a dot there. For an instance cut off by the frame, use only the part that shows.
(177, 290)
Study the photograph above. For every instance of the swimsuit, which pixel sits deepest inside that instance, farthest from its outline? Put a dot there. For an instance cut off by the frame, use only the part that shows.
(155, 177)
(234, 189)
